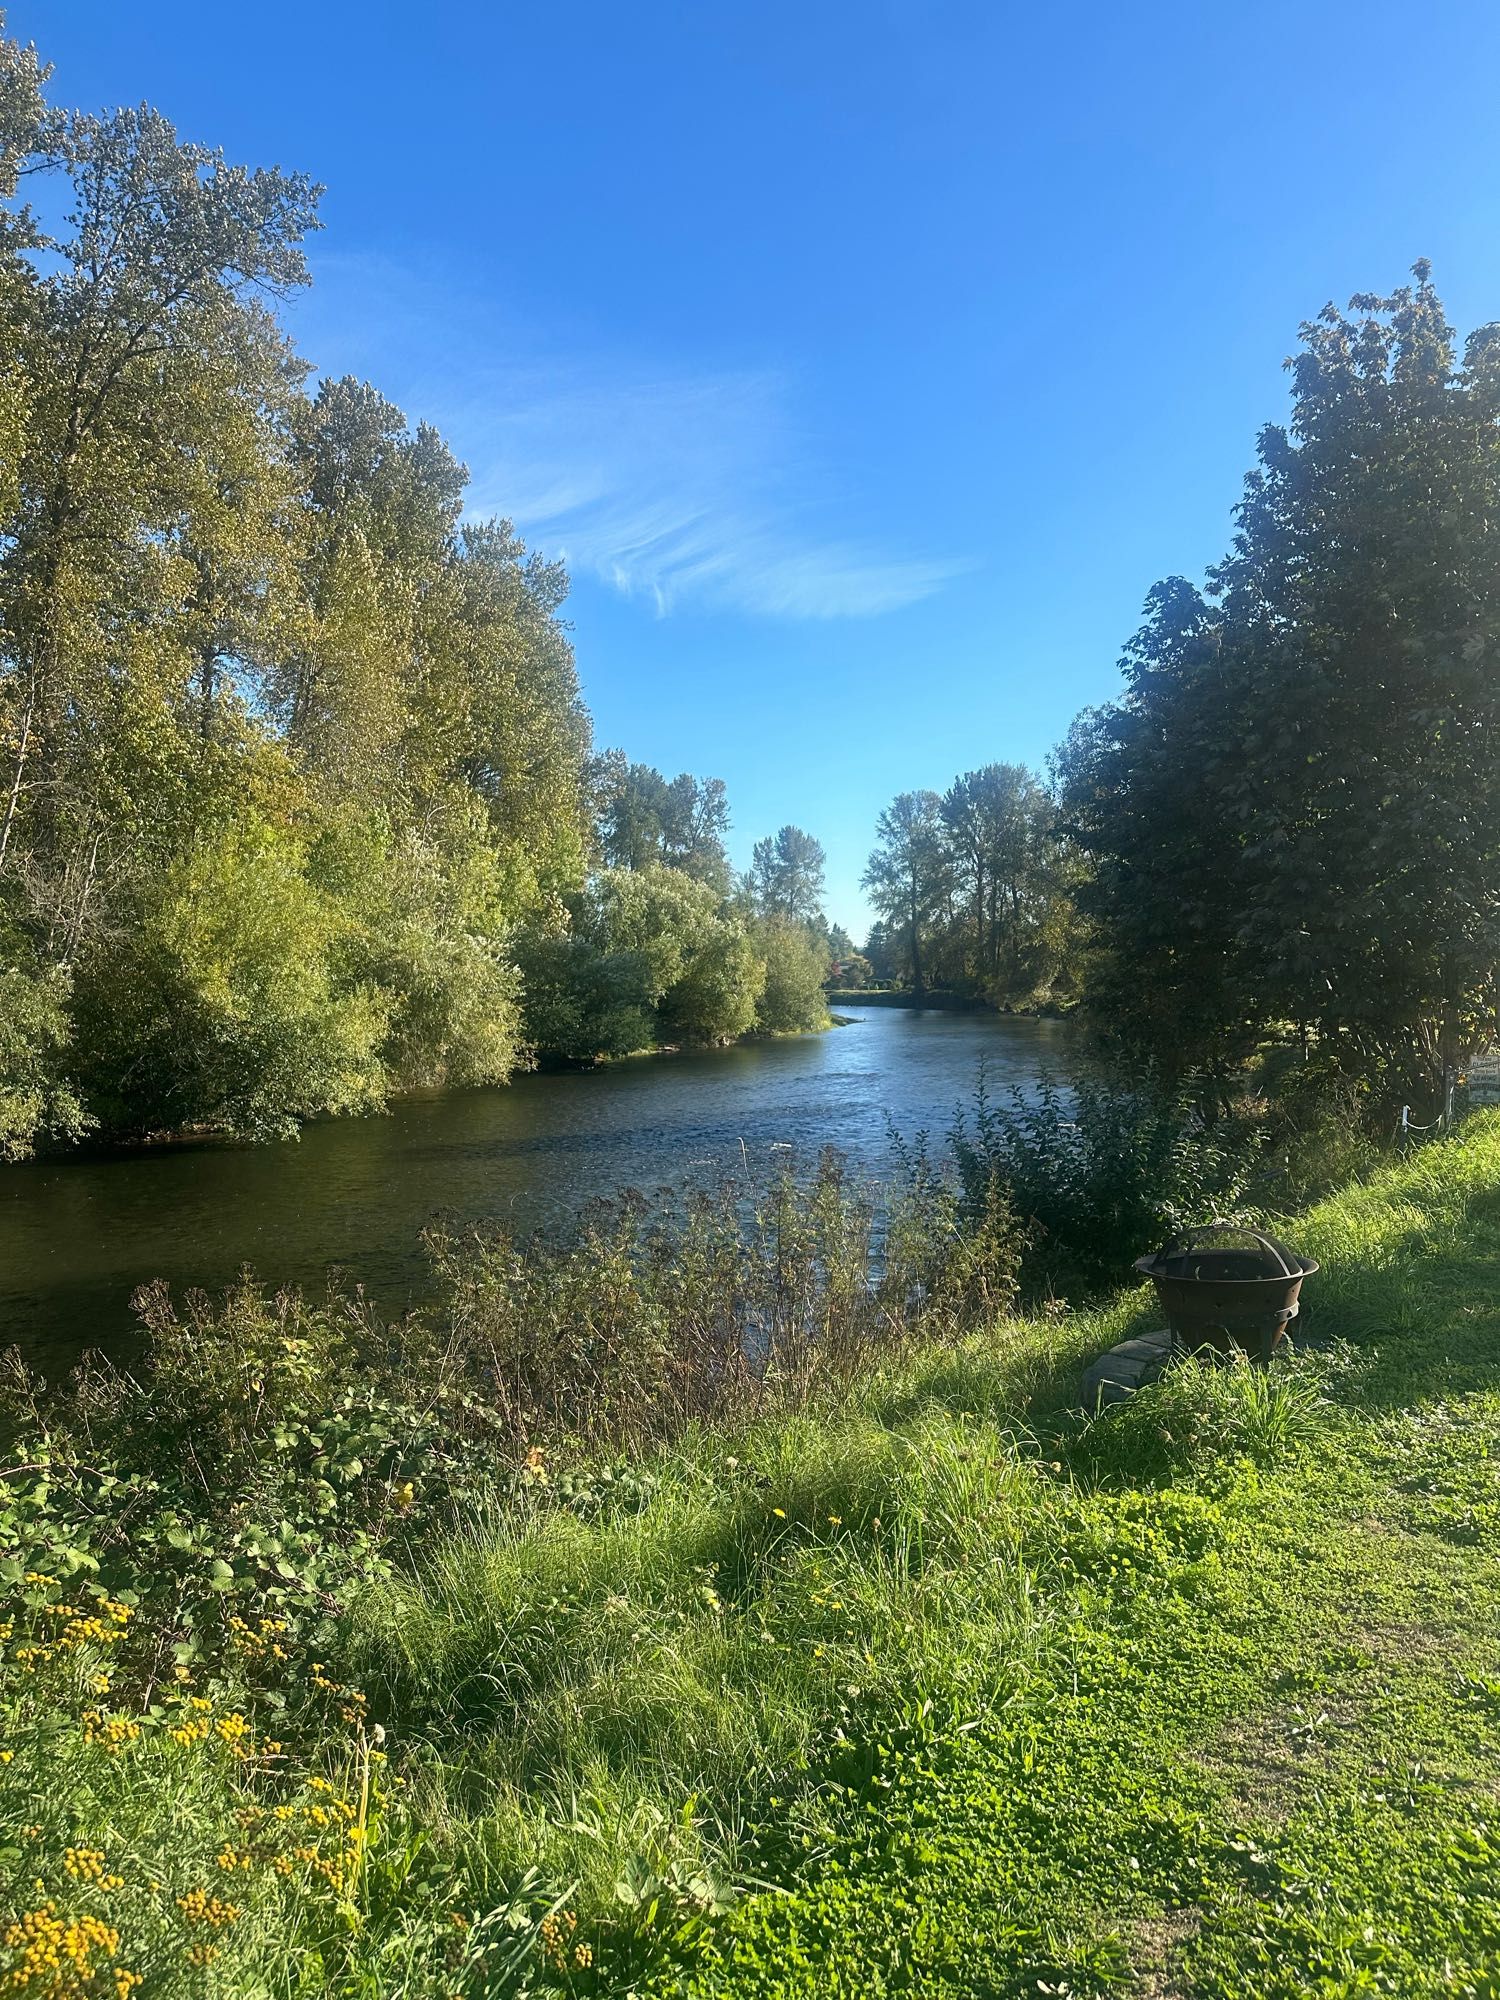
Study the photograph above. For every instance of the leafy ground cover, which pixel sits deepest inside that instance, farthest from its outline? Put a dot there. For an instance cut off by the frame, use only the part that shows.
(921, 1682)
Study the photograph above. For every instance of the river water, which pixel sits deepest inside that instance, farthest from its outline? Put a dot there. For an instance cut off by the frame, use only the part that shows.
(77, 1235)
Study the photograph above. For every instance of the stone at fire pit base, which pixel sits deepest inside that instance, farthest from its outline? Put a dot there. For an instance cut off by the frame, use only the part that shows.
(1116, 1375)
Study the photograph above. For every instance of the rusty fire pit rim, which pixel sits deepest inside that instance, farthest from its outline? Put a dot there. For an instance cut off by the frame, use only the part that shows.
(1294, 1265)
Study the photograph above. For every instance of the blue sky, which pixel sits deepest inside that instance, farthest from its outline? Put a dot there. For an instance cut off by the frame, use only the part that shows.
(868, 359)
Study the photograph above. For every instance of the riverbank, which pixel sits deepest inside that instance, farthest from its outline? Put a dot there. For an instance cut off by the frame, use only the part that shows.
(940, 1001)
(930, 1685)
(555, 1065)
(937, 1002)
(95, 1146)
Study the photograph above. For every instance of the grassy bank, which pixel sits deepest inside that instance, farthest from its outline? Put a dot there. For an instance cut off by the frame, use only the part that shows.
(916, 1682)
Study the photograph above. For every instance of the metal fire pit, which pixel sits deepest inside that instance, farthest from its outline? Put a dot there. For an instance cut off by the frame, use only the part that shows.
(1224, 1299)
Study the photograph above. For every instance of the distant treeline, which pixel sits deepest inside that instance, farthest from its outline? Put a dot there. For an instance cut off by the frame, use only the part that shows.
(937, 998)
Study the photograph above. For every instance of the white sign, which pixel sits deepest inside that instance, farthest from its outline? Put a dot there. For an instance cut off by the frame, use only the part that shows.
(1483, 1077)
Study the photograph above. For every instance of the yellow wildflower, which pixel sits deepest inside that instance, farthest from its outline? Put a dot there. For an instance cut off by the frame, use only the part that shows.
(111, 1732)
(199, 1907)
(233, 1729)
(48, 1945)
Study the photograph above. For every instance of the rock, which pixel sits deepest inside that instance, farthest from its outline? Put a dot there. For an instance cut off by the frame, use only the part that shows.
(1118, 1374)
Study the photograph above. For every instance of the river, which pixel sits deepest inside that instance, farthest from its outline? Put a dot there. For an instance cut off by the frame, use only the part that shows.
(78, 1234)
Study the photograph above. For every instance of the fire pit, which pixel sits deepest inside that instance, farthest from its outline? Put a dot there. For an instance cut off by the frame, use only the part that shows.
(1227, 1299)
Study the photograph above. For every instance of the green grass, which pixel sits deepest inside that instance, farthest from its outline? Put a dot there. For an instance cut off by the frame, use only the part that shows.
(1258, 1756)
(941, 1689)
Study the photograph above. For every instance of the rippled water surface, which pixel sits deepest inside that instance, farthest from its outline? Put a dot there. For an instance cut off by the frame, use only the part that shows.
(78, 1235)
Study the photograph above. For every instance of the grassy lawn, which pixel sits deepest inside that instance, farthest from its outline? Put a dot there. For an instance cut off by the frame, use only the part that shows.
(944, 1690)
(1247, 1744)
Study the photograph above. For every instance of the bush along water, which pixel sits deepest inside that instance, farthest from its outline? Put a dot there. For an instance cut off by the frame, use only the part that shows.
(1102, 1170)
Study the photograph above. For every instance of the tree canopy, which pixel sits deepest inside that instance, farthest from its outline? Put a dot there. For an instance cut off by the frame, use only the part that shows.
(294, 768)
(973, 890)
(785, 882)
(1293, 811)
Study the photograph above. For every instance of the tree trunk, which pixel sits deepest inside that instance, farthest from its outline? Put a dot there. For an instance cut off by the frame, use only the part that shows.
(13, 802)
(1449, 1053)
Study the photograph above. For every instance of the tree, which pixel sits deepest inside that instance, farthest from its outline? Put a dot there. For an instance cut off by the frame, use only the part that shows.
(1006, 930)
(632, 806)
(644, 821)
(795, 968)
(1294, 809)
(650, 956)
(696, 822)
(1170, 974)
(908, 875)
(37, 1098)
(886, 953)
(139, 327)
(786, 877)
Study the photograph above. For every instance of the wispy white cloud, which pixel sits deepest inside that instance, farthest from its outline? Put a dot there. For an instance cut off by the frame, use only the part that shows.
(669, 487)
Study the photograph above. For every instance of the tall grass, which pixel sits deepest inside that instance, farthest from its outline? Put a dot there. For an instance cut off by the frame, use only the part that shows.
(717, 1304)
(701, 1659)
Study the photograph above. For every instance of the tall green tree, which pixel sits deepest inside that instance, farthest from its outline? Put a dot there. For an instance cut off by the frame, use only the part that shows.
(1007, 930)
(786, 877)
(645, 820)
(909, 877)
(140, 333)
(1295, 808)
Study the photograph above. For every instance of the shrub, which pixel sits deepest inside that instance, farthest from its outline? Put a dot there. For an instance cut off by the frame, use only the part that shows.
(219, 1005)
(37, 1101)
(1103, 1172)
(649, 955)
(1320, 1130)
(265, 1453)
(795, 962)
(663, 1312)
